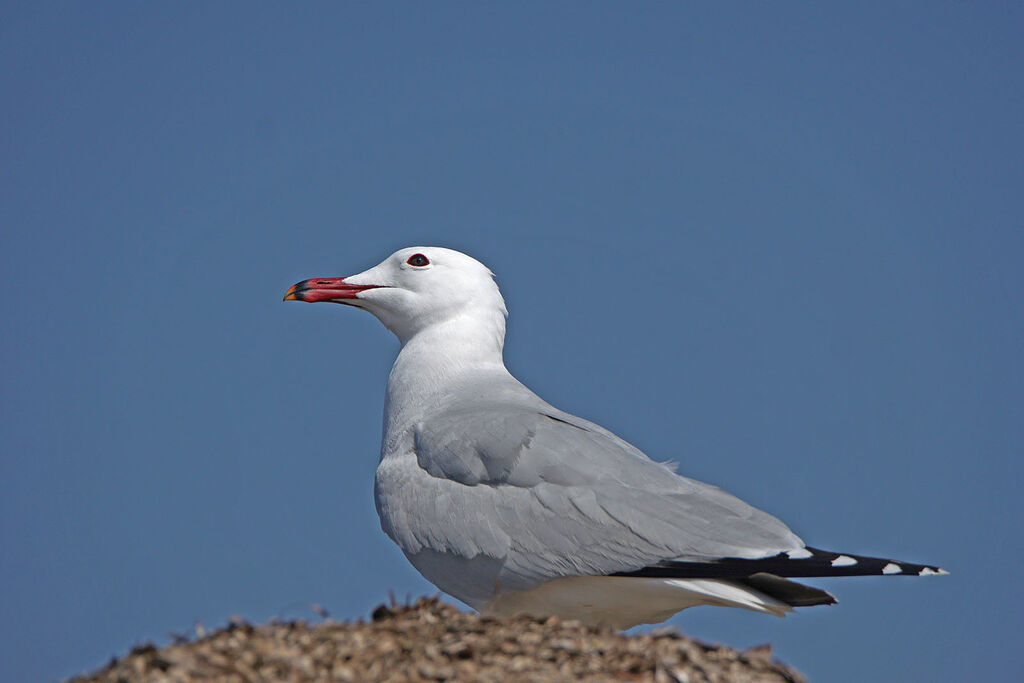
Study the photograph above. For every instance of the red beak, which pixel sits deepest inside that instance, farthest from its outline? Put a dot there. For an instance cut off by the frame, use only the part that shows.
(325, 289)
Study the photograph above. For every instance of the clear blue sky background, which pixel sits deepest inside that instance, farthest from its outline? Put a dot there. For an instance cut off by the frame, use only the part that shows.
(781, 245)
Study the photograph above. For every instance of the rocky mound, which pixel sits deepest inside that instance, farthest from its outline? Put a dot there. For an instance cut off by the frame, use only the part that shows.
(432, 641)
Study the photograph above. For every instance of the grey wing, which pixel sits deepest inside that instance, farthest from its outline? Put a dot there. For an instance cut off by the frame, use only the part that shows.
(545, 494)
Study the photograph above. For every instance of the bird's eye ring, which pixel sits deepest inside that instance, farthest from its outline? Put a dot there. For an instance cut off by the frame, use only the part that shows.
(418, 260)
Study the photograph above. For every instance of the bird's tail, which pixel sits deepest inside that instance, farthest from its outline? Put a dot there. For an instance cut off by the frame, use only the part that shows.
(764, 583)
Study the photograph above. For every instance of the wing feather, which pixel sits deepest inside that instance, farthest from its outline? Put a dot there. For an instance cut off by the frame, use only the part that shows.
(545, 494)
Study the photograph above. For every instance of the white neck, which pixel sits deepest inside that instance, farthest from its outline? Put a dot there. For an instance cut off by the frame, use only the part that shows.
(433, 360)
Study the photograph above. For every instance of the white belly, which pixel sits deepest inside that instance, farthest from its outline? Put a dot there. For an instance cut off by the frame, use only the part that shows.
(623, 602)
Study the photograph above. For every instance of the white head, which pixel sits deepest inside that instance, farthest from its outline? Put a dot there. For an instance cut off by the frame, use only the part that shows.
(418, 288)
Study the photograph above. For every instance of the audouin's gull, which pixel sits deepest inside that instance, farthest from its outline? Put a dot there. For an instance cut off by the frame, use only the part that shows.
(514, 506)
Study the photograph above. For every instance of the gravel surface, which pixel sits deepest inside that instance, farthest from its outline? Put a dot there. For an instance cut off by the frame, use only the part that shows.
(433, 641)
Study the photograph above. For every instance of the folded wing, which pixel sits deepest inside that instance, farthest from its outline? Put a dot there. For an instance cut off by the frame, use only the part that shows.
(547, 495)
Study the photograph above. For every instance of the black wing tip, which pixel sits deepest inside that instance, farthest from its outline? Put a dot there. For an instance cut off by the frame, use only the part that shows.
(848, 564)
(770, 575)
(797, 563)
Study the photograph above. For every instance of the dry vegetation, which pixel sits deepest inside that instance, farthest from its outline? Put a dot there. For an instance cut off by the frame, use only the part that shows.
(432, 641)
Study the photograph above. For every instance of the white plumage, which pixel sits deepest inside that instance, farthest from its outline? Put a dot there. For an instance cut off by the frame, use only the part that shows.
(514, 506)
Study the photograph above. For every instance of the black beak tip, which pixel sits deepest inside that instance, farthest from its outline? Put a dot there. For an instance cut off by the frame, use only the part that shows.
(297, 292)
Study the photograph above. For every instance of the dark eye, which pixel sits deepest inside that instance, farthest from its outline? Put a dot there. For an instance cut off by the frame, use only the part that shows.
(418, 260)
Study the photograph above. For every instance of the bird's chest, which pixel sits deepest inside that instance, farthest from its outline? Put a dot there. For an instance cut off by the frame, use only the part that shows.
(442, 533)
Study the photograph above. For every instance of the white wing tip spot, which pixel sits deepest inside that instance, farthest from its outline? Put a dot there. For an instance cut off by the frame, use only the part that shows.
(843, 561)
(928, 571)
(892, 568)
(799, 554)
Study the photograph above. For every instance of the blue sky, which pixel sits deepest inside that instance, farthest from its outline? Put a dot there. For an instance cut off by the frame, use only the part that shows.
(779, 245)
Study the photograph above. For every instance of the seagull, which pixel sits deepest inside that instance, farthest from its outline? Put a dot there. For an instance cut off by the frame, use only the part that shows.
(516, 507)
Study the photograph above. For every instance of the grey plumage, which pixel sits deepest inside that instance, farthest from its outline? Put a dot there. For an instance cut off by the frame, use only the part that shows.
(514, 506)
(549, 495)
